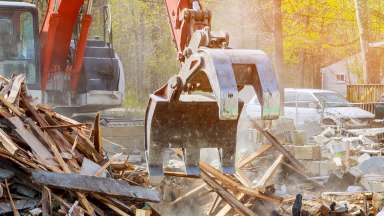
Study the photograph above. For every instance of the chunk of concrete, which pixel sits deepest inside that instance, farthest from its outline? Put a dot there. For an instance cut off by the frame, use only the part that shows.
(374, 165)
(363, 158)
(307, 152)
(319, 168)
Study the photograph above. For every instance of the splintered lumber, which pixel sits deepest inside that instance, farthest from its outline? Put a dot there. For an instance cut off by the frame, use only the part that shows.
(38, 139)
(190, 193)
(64, 126)
(262, 183)
(272, 139)
(14, 209)
(227, 208)
(15, 88)
(239, 175)
(179, 174)
(228, 197)
(105, 186)
(52, 144)
(96, 135)
(253, 156)
(8, 143)
(116, 206)
(227, 181)
(37, 147)
(215, 204)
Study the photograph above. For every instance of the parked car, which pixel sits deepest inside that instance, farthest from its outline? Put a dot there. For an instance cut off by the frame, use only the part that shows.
(316, 105)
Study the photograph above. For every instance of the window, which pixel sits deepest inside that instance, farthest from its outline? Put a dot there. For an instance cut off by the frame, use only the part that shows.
(299, 99)
(331, 99)
(17, 44)
(290, 99)
(340, 77)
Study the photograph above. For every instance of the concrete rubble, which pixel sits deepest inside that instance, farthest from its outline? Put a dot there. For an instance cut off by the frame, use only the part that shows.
(336, 171)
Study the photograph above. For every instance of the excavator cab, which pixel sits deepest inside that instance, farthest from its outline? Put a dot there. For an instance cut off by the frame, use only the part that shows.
(18, 41)
(77, 74)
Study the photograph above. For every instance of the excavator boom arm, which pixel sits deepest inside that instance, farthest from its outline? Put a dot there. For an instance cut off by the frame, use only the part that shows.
(56, 35)
(185, 17)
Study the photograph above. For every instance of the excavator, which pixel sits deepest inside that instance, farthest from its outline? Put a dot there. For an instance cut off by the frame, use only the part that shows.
(200, 106)
(62, 66)
(197, 108)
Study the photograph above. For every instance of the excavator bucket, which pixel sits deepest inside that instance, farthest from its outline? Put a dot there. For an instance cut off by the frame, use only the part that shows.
(200, 107)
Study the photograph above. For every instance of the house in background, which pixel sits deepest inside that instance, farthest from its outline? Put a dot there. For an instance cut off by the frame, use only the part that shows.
(338, 75)
(348, 71)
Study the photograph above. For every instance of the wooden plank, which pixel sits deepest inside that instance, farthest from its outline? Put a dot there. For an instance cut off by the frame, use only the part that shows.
(179, 174)
(96, 135)
(8, 143)
(52, 144)
(15, 88)
(14, 209)
(240, 176)
(262, 183)
(272, 139)
(214, 205)
(227, 208)
(39, 150)
(303, 175)
(115, 202)
(228, 197)
(227, 181)
(253, 156)
(6, 208)
(64, 126)
(105, 186)
(189, 193)
(46, 201)
(112, 206)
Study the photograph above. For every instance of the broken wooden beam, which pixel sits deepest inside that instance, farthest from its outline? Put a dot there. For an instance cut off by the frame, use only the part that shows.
(180, 174)
(227, 181)
(272, 139)
(104, 186)
(96, 135)
(253, 156)
(64, 126)
(228, 197)
(8, 143)
(262, 183)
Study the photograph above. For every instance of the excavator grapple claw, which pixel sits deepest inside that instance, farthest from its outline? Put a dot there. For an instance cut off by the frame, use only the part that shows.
(200, 107)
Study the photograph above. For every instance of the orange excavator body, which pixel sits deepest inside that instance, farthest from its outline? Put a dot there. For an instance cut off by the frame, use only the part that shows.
(56, 35)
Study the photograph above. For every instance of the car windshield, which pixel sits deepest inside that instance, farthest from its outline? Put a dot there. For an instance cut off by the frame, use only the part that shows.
(330, 99)
(17, 44)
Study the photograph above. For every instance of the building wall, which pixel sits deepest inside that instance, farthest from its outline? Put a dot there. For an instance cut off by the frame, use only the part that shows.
(337, 76)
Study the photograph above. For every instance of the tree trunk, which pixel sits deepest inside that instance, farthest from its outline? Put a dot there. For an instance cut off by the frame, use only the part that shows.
(371, 70)
(279, 52)
(278, 37)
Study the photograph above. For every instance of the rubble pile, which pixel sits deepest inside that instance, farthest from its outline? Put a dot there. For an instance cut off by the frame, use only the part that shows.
(53, 165)
(338, 171)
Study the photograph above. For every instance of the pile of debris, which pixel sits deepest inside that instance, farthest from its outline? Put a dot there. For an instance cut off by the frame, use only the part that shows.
(281, 171)
(53, 165)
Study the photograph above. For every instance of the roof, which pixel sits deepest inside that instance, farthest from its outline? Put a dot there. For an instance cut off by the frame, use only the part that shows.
(303, 90)
(15, 4)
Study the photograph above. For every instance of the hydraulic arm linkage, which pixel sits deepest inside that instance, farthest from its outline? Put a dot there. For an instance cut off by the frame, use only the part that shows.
(199, 107)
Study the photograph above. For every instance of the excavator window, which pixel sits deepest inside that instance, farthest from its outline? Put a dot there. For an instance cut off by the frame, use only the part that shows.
(17, 44)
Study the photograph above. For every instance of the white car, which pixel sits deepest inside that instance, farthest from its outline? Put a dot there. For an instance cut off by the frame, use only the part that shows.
(315, 105)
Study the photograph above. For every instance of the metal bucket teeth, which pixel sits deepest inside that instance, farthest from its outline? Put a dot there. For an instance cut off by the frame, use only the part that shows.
(190, 124)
